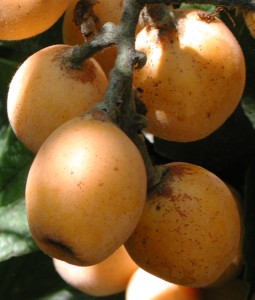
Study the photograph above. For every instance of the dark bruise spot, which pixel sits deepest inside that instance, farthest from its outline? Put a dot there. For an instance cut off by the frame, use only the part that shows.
(180, 170)
(158, 207)
(61, 245)
(144, 241)
(87, 72)
(156, 84)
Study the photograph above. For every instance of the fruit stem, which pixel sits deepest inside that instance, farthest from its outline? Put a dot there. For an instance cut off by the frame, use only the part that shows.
(108, 36)
(85, 18)
(159, 15)
(121, 76)
(119, 102)
(120, 96)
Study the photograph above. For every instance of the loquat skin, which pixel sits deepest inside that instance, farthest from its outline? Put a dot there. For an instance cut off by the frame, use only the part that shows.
(143, 285)
(193, 79)
(106, 13)
(24, 19)
(45, 92)
(190, 229)
(109, 277)
(85, 191)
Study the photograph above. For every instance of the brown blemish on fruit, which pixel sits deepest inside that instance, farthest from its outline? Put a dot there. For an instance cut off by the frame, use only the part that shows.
(59, 244)
(86, 73)
(180, 170)
(80, 185)
(158, 207)
(144, 241)
(180, 212)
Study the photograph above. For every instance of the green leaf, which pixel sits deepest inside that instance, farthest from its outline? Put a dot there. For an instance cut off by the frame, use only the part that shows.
(206, 7)
(64, 295)
(14, 190)
(14, 158)
(249, 227)
(15, 237)
(248, 105)
(15, 161)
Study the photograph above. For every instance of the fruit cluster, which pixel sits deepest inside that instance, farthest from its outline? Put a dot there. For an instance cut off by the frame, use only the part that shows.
(88, 202)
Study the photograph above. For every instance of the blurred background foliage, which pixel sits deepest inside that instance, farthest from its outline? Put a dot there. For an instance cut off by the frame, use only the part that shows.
(25, 272)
